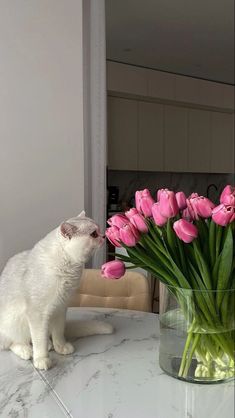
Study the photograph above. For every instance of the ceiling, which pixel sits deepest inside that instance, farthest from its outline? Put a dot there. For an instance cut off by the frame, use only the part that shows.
(190, 37)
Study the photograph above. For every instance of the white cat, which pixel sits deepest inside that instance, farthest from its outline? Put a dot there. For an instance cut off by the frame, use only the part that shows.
(35, 287)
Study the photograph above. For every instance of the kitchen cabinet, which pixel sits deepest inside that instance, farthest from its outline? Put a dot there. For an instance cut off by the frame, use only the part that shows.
(150, 137)
(148, 83)
(222, 146)
(161, 85)
(175, 138)
(126, 78)
(187, 89)
(122, 133)
(199, 140)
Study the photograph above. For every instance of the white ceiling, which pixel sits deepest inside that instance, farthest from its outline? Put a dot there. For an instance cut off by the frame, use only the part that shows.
(190, 37)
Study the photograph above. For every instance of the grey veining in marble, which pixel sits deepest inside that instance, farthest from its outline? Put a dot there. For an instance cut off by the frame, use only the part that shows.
(109, 376)
(23, 393)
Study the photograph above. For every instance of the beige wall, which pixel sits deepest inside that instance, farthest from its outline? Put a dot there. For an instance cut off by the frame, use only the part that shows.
(41, 119)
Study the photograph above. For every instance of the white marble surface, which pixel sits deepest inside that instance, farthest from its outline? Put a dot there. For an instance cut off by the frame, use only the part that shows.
(109, 376)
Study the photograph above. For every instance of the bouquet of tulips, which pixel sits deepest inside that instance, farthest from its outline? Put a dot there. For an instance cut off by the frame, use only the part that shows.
(188, 244)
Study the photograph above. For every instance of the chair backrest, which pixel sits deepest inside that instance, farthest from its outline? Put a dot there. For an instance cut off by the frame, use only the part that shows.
(130, 292)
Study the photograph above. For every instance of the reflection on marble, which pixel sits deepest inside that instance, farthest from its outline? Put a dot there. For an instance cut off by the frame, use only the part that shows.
(130, 181)
(109, 376)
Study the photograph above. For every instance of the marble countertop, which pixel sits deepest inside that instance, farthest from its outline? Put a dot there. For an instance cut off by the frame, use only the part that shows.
(108, 376)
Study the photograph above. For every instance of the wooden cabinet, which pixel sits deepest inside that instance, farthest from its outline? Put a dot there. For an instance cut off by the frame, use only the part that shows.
(138, 81)
(222, 144)
(150, 137)
(187, 89)
(161, 85)
(199, 140)
(175, 138)
(122, 133)
(126, 79)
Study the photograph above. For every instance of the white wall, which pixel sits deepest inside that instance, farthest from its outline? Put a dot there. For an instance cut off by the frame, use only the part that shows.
(41, 119)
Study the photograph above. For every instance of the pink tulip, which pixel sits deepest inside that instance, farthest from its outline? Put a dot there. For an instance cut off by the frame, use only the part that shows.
(227, 196)
(113, 235)
(223, 215)
(129, 235)
(137, 220)
(159, 192)
(181, 200)
(199, 206)
(168, 204)
(118, 220)
(186, 214)
(113, 269)
(193, 195)
(185, 230)
(144, 202)
(157, 216)
(131, 212)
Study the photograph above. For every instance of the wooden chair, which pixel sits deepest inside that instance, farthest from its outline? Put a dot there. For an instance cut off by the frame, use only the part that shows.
(129, 292)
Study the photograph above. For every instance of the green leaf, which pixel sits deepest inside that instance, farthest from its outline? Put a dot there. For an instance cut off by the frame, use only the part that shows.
(219, 232)
(204, 294)
(215, 272)
(150, 264)
(171, 239)
(202, 265)
(225, 266)
(203, 235)
(212, 231)
(183, 282)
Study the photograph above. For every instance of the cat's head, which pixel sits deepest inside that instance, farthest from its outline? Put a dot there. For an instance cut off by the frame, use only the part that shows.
(80, 237)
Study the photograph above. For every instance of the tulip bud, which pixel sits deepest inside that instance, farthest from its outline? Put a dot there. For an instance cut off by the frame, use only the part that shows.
(137, 220)
(186, 214)
(113, 269)
(186, 231)
(144, 202)
(129, 235)
(181, 200)
(159, 192)
(222, 215)
(138, 196)
(129, 213)
(199, 206)
(113, 235)
(227, 196)
(118, 220)
(157, 216)
(168, 204)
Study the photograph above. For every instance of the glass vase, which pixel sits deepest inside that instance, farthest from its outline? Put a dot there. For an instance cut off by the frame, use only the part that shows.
(197, 334)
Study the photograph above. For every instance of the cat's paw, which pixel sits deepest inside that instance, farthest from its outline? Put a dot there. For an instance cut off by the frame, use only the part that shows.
(22, 350)
(42, 363)
(26, 352)
(65, 349)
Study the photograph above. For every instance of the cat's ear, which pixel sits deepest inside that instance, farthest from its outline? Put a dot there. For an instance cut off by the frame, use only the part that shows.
(82, 214)
(68, 230)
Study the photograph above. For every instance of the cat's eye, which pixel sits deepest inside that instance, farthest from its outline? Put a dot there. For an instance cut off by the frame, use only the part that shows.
(94, 234)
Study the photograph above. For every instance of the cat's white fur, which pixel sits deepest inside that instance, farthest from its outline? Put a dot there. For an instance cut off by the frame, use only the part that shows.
(35, 287)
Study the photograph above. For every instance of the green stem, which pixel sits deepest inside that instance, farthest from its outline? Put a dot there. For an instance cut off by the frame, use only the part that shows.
(194, 345)
(185, 352)
(186, 347)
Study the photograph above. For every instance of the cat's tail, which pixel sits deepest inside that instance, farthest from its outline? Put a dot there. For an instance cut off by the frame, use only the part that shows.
(76, 329)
